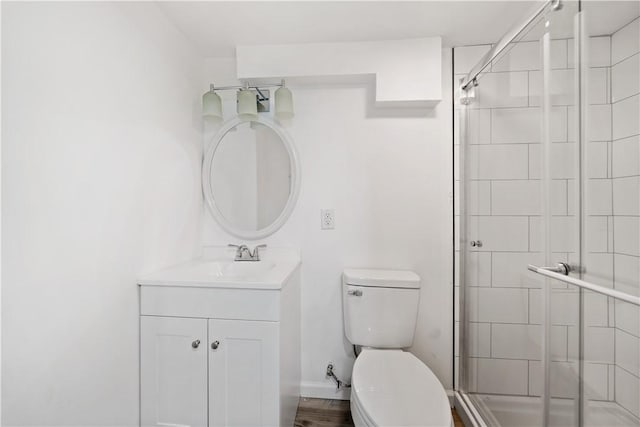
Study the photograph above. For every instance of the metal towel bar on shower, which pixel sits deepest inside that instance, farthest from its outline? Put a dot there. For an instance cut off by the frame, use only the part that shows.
(553, 274)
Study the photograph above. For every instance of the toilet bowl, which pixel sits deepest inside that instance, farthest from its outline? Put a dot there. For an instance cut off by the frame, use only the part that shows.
(394, 388)
(389, 387)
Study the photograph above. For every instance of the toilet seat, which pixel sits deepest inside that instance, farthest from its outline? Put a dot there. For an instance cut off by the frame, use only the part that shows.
(394, 388)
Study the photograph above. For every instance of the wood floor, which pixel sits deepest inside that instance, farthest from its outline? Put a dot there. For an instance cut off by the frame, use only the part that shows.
(333, 413)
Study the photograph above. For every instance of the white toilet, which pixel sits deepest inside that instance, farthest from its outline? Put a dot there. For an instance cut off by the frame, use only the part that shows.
(389, 387)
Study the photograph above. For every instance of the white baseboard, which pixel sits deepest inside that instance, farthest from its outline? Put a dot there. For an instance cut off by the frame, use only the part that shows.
(451, 394)
(322, 390)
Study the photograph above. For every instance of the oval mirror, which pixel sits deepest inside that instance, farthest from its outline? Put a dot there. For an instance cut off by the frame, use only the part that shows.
(250, 177)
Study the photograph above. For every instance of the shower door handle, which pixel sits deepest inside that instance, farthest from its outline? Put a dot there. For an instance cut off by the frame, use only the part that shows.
(560, 268)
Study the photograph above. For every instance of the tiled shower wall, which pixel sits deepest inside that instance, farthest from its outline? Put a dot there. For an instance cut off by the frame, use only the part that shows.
(625, 209)
(505, 212)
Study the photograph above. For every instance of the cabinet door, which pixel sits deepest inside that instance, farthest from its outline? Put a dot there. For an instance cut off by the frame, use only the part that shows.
(173, 371)
(243, 373)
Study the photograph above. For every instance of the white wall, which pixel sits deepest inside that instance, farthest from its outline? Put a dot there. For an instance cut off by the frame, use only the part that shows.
(387, 174)
(101, 149)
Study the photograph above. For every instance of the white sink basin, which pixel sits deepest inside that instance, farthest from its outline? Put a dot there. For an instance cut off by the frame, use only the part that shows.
(247, 268)
(265, 274)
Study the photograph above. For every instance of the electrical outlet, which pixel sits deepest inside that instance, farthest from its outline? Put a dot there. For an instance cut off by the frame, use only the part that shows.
(327, 219)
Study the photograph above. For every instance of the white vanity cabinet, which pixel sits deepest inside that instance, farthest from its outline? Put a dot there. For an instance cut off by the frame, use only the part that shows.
(219, 354)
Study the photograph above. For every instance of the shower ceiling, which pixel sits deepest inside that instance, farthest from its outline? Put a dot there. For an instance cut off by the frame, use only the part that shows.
(217, 27)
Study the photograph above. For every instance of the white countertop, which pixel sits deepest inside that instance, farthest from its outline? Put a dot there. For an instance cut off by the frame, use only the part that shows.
(216, 269)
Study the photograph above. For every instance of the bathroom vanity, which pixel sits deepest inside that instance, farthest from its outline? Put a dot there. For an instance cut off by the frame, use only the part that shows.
(220, 342)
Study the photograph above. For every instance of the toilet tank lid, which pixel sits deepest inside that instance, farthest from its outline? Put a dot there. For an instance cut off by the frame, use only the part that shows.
(381, 278)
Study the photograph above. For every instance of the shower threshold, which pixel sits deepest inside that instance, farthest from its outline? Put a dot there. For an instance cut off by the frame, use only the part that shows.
(526, 411)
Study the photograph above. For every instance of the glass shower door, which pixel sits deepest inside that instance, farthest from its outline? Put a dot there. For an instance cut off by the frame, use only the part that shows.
(518, 168)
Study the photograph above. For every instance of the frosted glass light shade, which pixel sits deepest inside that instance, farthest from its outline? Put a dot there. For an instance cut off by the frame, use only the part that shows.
(284, 103)
(212, 107)
(247, 105)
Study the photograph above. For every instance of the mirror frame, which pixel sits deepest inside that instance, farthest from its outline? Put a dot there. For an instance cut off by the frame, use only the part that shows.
(207, 188)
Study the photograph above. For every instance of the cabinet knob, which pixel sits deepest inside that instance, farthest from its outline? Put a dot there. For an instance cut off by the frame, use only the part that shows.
(195, 344)
(215, 345)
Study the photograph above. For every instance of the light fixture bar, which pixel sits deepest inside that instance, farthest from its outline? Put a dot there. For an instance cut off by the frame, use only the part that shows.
(211, 86)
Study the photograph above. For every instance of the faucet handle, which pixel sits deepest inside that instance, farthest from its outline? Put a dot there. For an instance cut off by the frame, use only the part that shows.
(239, 249)
(256, 252)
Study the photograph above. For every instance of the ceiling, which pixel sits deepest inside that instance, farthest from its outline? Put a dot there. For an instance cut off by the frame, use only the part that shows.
(216, 27)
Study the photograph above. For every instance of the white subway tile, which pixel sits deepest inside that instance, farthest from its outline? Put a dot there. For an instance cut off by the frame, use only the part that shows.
(599, 344)
(599, 268)
(478, 197)
(597, 234)
(596, 309)
(479, 129)
(612, 380)
(599, 127)
(599, 123)
(478, 269)
(628, 352)
(597, 159)
(508, 89)
(479, 339)
(472, 303)
(564, 379)
(599, 86)
(559, 53)
(625, 117)
(519, 57)
(627, 273)
(624, 78)
(502, 305)
(626, 157)
(559, 194)
(520, 197)
(465, 57)
(502, 233)
(610, 233)
(562, 158)
(627, 317)
(522, 125)
(561, 87)
(599, 51)
(625, 235)
(509, 269)
(524, 342)
(502, 376)
(628, 391)
(625, 42)
(596, 381)
(515, 125)
(563, 234)
(572, 201)
(565, 307)
(599, 197)
(505, 161)
(626, 196)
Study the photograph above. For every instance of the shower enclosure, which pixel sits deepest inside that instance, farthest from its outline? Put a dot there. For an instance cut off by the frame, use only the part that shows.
(548, 220)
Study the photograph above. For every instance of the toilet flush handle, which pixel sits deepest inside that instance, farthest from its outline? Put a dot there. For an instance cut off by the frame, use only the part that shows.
(356, 293)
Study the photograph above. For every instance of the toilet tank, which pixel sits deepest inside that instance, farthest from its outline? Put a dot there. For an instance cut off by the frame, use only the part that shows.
(380, 307)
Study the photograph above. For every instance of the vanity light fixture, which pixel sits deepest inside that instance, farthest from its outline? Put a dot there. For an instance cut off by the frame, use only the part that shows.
(212, 106)
(247, 104)
(251, 100)
(284, 102)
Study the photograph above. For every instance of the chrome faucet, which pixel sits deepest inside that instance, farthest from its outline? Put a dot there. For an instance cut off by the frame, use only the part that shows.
(243, 253)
